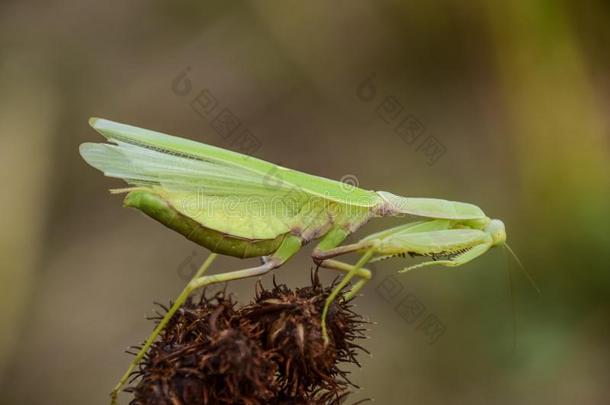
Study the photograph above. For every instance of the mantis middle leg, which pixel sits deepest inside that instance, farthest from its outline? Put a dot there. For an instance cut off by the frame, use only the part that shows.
(327, 249)
(321, 256)
(339, 287)
(364, 274)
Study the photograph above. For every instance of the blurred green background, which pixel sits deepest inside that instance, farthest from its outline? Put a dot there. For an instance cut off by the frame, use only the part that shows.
(516, 93)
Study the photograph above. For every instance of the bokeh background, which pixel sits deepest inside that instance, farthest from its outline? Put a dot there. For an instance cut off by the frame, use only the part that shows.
(515, 96)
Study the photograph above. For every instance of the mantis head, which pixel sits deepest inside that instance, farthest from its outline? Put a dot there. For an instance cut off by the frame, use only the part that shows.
(497, 231)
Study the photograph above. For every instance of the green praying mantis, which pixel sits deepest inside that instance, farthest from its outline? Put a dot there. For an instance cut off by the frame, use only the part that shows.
(240, 206)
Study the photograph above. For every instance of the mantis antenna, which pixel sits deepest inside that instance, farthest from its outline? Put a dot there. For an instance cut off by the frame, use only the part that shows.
(512, 301)
(529, 276)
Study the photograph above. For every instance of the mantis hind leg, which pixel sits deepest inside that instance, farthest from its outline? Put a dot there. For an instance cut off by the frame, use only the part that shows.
(289, 247)
(159, 328)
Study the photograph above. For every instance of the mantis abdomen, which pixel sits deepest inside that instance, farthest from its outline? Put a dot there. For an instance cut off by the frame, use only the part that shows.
(159, 209)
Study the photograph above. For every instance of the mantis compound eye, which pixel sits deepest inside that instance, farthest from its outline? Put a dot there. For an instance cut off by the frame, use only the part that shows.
(497, 231)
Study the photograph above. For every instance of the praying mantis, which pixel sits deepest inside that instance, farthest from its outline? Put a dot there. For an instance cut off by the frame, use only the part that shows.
(241, 206)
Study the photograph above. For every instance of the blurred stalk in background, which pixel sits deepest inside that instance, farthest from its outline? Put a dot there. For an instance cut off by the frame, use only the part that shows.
(27, 117)
(560, 125)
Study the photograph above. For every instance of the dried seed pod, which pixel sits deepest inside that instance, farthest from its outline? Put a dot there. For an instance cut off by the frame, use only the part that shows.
(289, 323)
(268, 352)
(319, 396)
(205, 357)
(237, 370)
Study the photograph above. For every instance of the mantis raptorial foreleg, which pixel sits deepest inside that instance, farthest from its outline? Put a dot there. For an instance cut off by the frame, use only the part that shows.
(458, 260)
(289, 247)
(426, 238)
